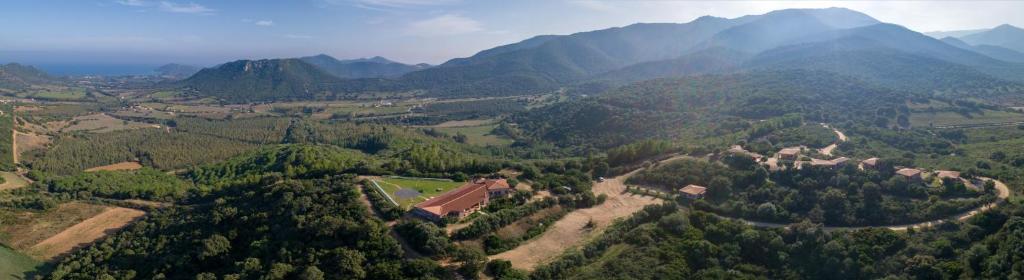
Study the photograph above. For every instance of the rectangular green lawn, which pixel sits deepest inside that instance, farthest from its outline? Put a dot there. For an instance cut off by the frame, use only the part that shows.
(426, 188)
(14, 265)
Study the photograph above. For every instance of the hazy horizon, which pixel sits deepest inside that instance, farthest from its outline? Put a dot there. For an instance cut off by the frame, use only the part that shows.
(135, 33)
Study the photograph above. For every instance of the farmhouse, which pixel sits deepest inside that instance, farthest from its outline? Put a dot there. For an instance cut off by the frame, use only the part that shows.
(739, 150)
(789, 153)
(462, 201)
(871, 163)
(693, 191)
(912, 174)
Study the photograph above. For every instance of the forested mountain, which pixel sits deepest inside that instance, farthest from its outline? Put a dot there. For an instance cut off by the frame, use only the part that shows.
(15, 76)
(273, 79)
(996, 52)
(374, 67)
(176, 71)
(835, 40)
(1007, 36)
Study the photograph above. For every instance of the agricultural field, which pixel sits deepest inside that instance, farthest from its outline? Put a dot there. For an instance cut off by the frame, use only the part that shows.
(478, 135)
(100, 123)
(945, 118)
(14, 265)
(409, 191)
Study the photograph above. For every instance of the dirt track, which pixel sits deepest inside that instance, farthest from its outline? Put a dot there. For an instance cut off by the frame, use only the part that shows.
(1004, 193)
(85, 232)
(569, 231)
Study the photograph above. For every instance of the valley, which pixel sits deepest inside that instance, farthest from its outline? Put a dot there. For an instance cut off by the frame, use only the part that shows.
(789, 144)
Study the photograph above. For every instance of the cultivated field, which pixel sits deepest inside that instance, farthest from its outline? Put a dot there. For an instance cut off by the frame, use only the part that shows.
(101, 122)
(28, 228)
(126, 165)
(407, 192)
(85, 232)
(12, 181)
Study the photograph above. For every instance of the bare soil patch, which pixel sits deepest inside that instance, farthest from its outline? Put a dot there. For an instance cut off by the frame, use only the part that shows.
(570, 232)
(85, 232)
(127, 165)
(30, 141)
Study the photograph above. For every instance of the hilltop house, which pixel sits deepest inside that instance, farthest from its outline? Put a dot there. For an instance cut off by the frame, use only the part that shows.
(789, 153)
(912, 174)
(871, 163)
(832, 164)
(693, 191)
(462, 201)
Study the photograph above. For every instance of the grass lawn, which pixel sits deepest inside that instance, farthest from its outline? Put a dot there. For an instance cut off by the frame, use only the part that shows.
(953, 118)
(426, 188)
(478, 135)
(14, 265)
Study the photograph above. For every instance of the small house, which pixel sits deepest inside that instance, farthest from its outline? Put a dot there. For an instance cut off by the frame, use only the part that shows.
(693, 191)
(912, 174)
(948, 176)
(789, 153)
(871, 163)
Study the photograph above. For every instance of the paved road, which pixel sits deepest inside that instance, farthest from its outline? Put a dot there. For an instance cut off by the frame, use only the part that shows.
(1003, 194)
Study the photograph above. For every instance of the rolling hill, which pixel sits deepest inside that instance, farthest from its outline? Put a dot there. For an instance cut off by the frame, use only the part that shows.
(1007, 36)
(15, 76)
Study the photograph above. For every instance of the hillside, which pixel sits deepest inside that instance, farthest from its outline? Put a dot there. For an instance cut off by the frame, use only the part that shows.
(1007, 36)
(375, 67)
(15, 76)
(996, 52)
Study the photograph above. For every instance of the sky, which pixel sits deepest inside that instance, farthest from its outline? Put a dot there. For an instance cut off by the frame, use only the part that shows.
(209, 32)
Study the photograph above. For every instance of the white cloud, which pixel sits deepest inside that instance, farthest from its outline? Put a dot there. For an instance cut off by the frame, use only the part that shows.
(265, 22)
(133, 3)
(444, 25)
(190, 8)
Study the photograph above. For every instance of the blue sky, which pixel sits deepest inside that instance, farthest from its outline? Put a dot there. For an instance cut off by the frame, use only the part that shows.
(413, 31)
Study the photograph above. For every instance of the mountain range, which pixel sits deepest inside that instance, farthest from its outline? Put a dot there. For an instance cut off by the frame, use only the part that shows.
(835, 40)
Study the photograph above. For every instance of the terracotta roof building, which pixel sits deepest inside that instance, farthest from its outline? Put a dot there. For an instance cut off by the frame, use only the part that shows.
(789, 153)
(693, 191)
(912, 174)
(463, 200)
(871, 163)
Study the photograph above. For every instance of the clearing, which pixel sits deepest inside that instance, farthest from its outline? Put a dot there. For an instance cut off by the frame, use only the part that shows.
(12, 181)
(410, 191)
(28, 228)
(125, 165)
(85, 232)
(478, 135)
(14, 265)
(570, 232)
(25, 142)
(102, 122)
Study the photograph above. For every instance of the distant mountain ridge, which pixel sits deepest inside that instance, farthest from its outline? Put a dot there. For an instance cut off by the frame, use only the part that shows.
(835, 40)
(1007, 36)
(374, 67)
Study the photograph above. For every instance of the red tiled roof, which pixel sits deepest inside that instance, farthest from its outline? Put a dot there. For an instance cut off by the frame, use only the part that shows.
(870, 161)
(463, 197)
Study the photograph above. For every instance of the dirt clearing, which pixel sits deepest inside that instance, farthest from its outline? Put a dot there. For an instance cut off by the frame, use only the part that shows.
(27, 228)
(569, 231)
(127, 165)
(85, 232)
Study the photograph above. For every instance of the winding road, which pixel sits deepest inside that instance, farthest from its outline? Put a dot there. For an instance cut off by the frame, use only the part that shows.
(1004, 193)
